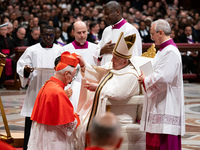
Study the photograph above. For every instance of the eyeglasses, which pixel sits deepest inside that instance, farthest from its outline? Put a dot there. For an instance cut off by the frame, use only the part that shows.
(46, 35)
(152, 34)
(71, 75)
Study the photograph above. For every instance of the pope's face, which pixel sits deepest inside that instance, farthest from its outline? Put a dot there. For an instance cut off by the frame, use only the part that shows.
(118, 62)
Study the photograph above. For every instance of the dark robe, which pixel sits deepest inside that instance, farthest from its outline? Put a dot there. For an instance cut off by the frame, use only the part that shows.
(17, 42)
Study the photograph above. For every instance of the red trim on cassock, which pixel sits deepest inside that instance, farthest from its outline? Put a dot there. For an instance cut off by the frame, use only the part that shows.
(78, 120)
(52, 106)
(94, 148)
(144, 85)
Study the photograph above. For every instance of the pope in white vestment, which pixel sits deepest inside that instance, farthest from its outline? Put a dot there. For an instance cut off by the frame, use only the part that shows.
(116, 84)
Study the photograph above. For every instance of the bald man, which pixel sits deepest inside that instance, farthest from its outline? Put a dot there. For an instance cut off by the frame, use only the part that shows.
(104, 133)
(84, 48)
(113, 17)
(20, 39)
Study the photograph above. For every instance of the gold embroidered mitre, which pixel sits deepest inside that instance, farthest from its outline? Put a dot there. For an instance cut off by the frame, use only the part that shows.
(124, 46)
(151, 52)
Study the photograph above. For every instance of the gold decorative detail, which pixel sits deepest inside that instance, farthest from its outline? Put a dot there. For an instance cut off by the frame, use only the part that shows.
(125, 52)
(2, 55)
(130, 40)
(2, 62)
(151, 52)
(108, 108)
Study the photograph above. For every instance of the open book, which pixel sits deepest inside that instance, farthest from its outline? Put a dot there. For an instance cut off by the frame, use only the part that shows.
(142, 64)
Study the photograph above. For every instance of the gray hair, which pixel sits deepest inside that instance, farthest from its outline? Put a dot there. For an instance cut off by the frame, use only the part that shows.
(163, 25)
(68, 68)
(9, 23)
(35, 28)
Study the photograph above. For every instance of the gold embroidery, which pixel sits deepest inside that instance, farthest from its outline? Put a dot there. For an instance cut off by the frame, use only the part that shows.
(96, 97)
(151, 52)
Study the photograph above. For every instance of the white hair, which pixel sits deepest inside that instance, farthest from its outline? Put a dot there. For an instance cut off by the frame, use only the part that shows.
(68, 68)
(163, 25)
(9, 23)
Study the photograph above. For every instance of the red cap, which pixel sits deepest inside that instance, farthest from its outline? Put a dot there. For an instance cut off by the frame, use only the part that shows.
(67, 59)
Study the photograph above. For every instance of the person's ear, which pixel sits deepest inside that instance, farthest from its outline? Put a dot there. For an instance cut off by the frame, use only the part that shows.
(119, 143)
(66, 72)
(161, 32)
(73, 32)
(118, 12)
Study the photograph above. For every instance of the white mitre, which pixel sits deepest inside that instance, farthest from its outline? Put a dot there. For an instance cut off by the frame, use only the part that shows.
(124, 46)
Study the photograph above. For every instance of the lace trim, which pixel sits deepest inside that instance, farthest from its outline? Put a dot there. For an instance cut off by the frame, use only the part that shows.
(69, 126)
(164, 119)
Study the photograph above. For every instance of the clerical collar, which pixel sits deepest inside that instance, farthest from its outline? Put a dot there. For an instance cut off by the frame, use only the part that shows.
(166, 43)
(119, 24)
(54, 79)
(45, 46)
(77, 45)
(190, 36)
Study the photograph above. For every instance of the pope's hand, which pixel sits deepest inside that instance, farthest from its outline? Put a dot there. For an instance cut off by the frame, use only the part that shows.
(81, 61)
(91, 86)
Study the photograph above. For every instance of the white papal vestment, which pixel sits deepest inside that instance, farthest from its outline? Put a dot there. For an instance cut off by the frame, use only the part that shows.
(114, 84)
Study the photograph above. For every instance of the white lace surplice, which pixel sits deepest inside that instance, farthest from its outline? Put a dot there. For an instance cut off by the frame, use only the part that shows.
(163, 109)
(48, 137)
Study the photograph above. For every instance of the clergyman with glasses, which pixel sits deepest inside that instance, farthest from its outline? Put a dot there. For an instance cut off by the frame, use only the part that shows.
(163, 116)
(54, 120)
(19, 39)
